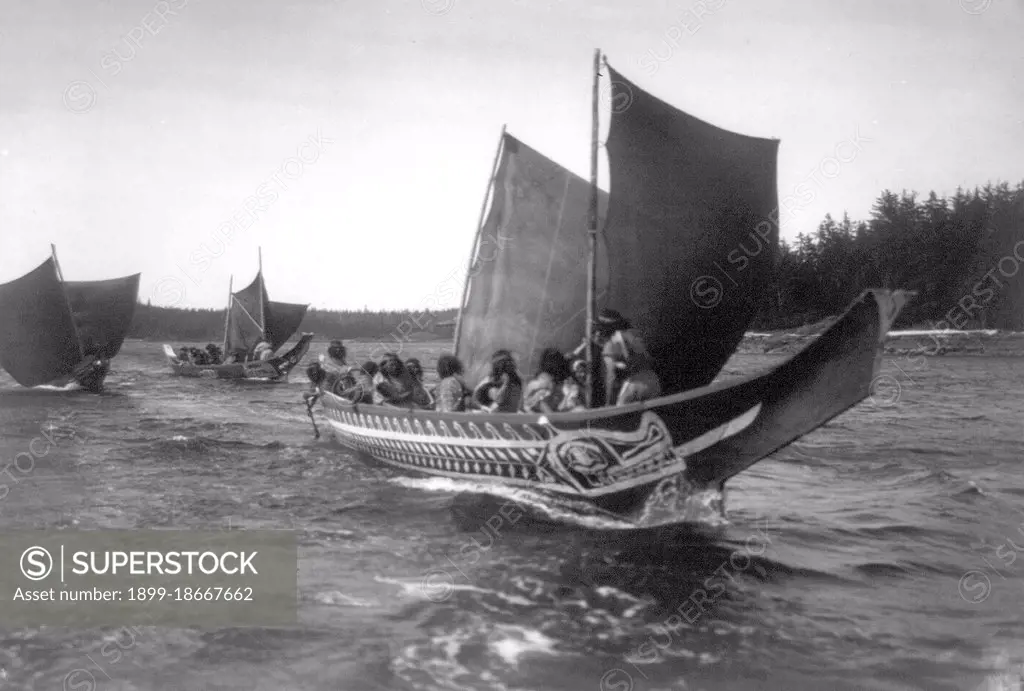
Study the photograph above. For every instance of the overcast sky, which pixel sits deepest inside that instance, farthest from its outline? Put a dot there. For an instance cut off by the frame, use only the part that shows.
(131, 130)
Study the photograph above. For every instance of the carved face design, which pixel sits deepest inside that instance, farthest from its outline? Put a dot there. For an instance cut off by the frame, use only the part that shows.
(585, 456)
(592, 457)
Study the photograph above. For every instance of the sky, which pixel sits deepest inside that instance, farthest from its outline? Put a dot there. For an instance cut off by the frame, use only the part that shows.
(360, 135)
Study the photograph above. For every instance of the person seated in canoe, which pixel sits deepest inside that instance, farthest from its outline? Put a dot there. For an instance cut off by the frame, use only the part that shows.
(416, 370)
(197, 356)
(572, 391)
(502, 391)
(362, 387)
(337, 356)
(579, 372)
(394, 386)
(336, 360)
(262, 352)
(553, 389)
(317, 376)
(451, 395)
(183, 354)
(629, 370)
(338, 375)
(214, 354)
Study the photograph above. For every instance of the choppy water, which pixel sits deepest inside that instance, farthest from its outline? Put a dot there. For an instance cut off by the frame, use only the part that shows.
(879, 553)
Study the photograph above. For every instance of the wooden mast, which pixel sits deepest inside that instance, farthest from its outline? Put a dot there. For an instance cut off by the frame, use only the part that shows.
(56, 263)
(476, 239)
(227, 317)
(60, 277)
(592, 255)
(263, 315)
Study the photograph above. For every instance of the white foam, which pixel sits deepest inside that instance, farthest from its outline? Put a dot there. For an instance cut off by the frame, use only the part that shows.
(70, 386)
(512, 642)
(1006, 681)
(1008, 676)
(906, 332)
(338, 598)
(442, 591)
(554, 507)
(609, 591)
(943, 332)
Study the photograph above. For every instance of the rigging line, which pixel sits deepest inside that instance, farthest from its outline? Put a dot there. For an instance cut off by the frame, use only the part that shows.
(241, 307)
(577, 313)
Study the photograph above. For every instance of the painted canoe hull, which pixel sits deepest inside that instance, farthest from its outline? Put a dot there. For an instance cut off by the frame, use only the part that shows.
(275, 369)
(642, 461)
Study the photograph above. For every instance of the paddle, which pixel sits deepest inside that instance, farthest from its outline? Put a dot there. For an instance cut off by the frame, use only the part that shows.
(311, 399)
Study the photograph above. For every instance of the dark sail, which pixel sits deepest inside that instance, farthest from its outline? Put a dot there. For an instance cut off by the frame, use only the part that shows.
(103, 312)
(691, 231)
(245, 318)
(38, 343)
(283, 320)
(528, 281)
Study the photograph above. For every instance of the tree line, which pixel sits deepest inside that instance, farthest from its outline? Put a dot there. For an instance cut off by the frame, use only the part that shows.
(207, 325)
(962, 254)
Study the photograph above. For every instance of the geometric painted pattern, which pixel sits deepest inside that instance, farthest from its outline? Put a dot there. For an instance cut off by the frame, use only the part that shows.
(585, 461)
(448, 448)
(588, 461)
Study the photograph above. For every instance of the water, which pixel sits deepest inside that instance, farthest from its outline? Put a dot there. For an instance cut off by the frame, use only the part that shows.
(879, 553)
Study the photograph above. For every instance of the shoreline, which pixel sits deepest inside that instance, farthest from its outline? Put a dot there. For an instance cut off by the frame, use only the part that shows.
(931, 342)
(990, 342)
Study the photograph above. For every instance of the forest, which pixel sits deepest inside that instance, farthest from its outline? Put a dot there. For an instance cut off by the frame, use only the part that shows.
(962, 255)
(207, 325)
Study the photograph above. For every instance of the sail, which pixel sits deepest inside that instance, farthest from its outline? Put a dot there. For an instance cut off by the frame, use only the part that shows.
(245, 318)
(283, 319)
(103, 312)
(38, 343)
(528, 281)
(691, 231)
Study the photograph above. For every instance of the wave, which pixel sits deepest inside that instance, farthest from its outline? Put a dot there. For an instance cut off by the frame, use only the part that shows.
(559, 509)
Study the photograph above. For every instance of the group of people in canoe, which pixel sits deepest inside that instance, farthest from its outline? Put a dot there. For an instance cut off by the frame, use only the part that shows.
(626, 376)
(213, 355)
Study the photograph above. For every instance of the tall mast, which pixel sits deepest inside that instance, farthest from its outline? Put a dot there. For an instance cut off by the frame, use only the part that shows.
(476, 240)
(60, 277)
(263, 289)
(592, 255)
(227, 317)
(56, 264)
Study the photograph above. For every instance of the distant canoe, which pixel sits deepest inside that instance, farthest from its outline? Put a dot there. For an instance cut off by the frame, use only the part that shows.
(252, 317)
(275, 369)
(57, 332)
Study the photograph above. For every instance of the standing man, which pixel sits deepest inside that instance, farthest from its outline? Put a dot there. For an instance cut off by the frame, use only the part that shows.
(629, 370)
